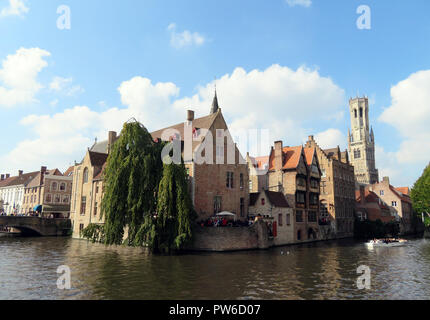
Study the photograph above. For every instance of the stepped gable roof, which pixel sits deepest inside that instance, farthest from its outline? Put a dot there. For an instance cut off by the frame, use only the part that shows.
(199, 123)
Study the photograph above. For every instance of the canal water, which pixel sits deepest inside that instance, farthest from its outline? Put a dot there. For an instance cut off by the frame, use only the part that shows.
(28, 270)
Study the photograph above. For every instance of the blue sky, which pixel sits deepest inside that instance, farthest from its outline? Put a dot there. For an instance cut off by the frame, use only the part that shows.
(110, 43)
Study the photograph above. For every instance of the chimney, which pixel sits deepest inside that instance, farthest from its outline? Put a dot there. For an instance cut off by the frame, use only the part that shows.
(42, 175)
(111, 139)
(2, 177)
(311, 138)
(362, 195)
(386, 180)
(190, 115)
(278, 155)
(20, 173)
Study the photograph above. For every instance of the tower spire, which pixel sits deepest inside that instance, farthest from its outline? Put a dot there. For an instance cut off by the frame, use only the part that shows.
(215, 106)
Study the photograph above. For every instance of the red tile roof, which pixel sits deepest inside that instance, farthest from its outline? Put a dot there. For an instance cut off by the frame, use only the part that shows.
(290, 157)
(403, 190)
(69, 171)
(260, 162)
(309, 154)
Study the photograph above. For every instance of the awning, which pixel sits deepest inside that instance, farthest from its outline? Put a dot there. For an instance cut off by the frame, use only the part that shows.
(57, 208)
(226, 214)
(38, 208)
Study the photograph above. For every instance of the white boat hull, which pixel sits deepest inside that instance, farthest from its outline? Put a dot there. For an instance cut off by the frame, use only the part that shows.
(382, 244)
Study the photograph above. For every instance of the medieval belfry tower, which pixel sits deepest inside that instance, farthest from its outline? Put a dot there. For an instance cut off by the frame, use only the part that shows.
(361, 143)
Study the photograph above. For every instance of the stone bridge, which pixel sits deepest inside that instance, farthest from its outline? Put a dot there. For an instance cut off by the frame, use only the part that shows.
(36, 226)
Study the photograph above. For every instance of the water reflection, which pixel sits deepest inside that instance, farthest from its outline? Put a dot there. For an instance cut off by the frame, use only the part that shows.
(313, 271)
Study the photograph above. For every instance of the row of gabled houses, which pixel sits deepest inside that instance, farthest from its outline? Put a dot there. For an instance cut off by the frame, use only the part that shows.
(303, 193)
(44, 193)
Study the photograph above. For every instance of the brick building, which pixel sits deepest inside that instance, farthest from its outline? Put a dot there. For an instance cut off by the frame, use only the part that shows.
(257, 172)
(12, 191)
(87, 189)
(48, 193)
(220, 186)
(370, 207)
(398, 200)
(273, 206)
(295, 172)
(337, 189)
(223, 185)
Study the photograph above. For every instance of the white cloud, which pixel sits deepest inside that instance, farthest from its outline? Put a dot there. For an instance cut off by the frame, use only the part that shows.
(15, 8)
(277, 98)
(184, 39)
(304, 3)
(19, 76)
(331, 138)
(65, 86)
(409, 113)
(54, 103)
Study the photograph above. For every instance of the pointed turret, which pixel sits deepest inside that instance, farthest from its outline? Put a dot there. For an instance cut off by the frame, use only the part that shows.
(215, 106)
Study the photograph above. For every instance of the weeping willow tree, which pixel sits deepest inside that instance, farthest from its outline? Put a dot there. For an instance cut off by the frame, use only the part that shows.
(171, 227)
(148, 200)
(131, 180)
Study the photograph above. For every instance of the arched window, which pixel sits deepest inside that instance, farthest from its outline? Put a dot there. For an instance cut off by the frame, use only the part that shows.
(62, 186)
(54, 186)
(48, 198)
(355, 113)
(361, 112)
(85, 175)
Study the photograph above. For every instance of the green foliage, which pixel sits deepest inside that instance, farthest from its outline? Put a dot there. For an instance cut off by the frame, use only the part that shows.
(427, 221)
(375, 229)
(142, 196)
(94, 232)
(420, 193)
(171, 227)
(131, 181)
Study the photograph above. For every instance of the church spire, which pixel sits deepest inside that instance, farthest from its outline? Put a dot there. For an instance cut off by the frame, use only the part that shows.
(215, 106)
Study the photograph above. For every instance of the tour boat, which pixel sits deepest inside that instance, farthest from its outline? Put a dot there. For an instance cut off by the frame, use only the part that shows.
(383, 243)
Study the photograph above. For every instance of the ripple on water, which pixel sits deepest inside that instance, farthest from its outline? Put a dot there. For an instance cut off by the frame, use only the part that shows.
(317, 271)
